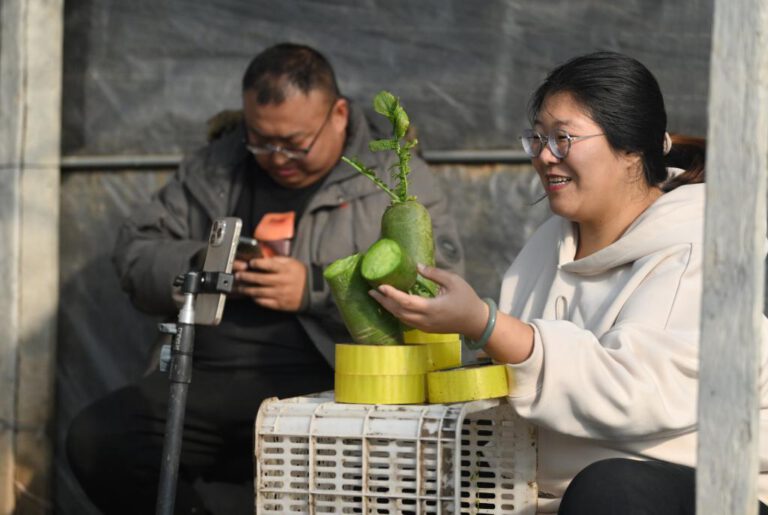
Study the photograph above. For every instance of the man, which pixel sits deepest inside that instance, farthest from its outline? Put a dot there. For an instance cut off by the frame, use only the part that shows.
(280, 324)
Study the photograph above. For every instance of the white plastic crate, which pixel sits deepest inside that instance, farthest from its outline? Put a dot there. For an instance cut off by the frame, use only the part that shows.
(317, 456)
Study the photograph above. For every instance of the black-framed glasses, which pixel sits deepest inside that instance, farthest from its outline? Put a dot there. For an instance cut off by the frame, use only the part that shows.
(290, 152)
(558, 141)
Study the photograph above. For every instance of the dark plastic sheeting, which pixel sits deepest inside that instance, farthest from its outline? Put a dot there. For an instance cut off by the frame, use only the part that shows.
(103, 341)
(142, 76)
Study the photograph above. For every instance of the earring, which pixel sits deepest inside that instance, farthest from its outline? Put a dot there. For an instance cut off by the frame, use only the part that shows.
(667, 143)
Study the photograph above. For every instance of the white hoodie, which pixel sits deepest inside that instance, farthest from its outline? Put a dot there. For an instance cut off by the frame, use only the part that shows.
(614, 369)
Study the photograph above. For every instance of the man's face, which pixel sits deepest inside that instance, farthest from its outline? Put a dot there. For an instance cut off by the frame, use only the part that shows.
(301, 121)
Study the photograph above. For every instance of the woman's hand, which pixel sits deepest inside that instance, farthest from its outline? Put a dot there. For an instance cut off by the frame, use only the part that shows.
(456, 309)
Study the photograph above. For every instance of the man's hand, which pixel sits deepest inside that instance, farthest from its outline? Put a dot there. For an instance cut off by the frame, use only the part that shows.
(275, 283)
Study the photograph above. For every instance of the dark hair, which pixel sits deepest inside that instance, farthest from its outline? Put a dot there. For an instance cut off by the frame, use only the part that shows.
(287, 65)
(688, 153)
(623, 97)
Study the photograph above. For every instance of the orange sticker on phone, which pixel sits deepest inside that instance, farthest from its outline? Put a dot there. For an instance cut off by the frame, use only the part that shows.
(274, 233)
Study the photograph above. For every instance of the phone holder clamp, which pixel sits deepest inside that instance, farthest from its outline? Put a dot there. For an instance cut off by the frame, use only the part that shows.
(195, 282)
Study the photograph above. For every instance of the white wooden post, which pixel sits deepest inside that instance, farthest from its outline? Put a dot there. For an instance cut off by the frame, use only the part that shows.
(10, 148)
(30, 126)
(737, 165)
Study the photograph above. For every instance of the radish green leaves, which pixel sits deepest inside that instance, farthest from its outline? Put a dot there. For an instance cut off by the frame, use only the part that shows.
(386, 104)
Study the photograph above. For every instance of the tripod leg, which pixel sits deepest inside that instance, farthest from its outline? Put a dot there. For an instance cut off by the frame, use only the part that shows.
(169, 468)
(181, 376)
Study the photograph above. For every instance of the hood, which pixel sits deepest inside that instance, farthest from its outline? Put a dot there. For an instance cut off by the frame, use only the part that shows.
(677, 217)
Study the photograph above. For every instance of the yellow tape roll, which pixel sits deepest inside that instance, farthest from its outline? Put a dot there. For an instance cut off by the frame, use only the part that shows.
(468, 383)
(416, 336)
(443, 350)
(442, 355)
(381, 389)
(380, 360)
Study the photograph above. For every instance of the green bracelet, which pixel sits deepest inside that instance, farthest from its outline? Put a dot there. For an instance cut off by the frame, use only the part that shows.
(489, 326)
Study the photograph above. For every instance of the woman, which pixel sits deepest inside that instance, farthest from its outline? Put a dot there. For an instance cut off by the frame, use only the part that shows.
(599, 314)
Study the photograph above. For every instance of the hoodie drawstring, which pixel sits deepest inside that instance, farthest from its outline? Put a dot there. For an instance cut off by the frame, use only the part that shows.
(561, 308)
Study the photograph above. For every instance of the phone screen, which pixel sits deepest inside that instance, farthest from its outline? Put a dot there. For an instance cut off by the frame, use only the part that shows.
(248, 248)
(222, 245)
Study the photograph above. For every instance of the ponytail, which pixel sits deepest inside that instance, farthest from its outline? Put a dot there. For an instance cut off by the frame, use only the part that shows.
(688, 153)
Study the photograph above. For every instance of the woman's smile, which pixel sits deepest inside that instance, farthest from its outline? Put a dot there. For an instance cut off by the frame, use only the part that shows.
(554, 182)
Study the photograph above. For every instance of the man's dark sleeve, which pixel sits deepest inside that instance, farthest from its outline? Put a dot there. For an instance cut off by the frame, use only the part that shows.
(154, 246)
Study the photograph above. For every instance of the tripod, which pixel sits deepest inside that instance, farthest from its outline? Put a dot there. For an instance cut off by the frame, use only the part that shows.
(180, 374)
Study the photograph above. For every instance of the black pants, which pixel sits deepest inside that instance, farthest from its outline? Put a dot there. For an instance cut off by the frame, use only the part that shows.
(630, 487)
(114, 445)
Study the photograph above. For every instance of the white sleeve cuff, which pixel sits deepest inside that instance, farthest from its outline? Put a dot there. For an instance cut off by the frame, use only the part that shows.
(525, 377)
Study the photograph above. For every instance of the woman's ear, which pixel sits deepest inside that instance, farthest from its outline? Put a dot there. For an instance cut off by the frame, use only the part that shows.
(633, 162)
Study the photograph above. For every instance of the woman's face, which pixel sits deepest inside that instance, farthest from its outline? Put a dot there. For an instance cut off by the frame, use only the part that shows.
(592, 183)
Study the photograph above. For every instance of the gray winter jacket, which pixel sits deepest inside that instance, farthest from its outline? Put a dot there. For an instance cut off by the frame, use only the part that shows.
(160, 239)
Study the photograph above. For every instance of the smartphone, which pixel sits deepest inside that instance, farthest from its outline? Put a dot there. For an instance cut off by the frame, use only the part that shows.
(247, 249)
(222, 246)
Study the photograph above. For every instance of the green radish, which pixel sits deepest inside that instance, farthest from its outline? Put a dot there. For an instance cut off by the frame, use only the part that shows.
(387, 263)
(405, 221)
(366, 320)
(409, 224)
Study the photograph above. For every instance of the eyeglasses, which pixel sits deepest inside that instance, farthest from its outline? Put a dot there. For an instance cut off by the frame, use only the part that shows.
(290, 152)
(558, 141)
